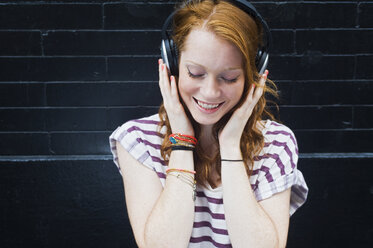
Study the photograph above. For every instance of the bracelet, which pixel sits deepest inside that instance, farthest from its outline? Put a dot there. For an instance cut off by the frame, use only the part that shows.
(231, 160)
(182, 143)
(182, 148)
(188, 179)
(175, 138)
(185, 136)
(180, 170)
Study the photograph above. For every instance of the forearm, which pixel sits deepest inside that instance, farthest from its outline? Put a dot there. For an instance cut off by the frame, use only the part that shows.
(248, 224)
(171, 220)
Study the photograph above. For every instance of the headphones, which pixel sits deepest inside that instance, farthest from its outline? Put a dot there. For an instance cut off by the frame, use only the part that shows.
(170, 52)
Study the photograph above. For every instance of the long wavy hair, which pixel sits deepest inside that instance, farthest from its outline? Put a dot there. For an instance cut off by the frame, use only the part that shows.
(232, 24)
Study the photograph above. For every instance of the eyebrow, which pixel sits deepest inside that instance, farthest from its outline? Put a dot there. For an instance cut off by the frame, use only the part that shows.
(228, 69)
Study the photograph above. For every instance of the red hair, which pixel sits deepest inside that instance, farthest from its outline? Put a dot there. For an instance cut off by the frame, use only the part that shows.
(232, 24)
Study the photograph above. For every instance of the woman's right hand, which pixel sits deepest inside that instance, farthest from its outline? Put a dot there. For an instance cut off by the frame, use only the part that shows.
(175, 111)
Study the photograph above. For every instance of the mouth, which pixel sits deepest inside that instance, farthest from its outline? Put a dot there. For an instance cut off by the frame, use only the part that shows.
(208, 106)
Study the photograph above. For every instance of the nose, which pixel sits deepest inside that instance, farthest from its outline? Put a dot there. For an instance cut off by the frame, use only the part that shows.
(210, 89)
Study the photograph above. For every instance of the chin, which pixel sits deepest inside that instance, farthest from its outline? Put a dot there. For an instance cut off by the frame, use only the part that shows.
(206, 120)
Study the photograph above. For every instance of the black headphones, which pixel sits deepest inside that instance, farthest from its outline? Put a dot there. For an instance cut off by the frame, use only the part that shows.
(170, 52)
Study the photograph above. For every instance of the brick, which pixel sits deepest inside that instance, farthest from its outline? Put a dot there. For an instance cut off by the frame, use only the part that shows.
(326, 196)
(76, 119)
(307, 117)
(102, 43)
(363, 117)
(119, 115)
(332, 141)
(52, 69)
(308, 15)
(366, 15)
(325, 92)
(283, 42)
(24, 144)
(335, 41)
(311, 66)
(36, 194)
(364, 67)
(136, 15)
(20, 43)
(80, 143)
(22, 120)
(104, 94)
(51, 16)
(133, 68)
(22, 94)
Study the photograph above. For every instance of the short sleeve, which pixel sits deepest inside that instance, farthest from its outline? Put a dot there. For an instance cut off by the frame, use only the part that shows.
(142, 141)
(277, 167)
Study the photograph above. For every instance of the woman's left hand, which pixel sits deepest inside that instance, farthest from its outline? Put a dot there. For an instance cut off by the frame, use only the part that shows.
(231, 134)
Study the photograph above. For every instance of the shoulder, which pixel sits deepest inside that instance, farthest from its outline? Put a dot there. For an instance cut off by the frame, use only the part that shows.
(279, 137)
(279, 155)
(142, 139)
(274, 131)
(275, 168)
(140, 130)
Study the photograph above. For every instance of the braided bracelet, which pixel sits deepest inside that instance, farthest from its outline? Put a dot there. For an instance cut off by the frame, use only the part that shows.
(175, 138)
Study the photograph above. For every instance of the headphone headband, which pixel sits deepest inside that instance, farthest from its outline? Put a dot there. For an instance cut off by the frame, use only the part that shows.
(169, 50)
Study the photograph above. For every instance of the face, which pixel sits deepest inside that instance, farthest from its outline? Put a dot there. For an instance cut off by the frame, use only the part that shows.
(211, 78)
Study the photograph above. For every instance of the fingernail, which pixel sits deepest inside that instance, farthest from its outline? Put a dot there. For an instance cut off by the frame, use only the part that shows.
(162, 67)
(266, 72)
(159, 61)
(253, 86)
(172, 78)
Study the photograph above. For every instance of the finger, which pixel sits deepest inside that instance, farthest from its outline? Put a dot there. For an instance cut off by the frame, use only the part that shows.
(259, 91)
(174, 88)
(163, 81)
(161, 84)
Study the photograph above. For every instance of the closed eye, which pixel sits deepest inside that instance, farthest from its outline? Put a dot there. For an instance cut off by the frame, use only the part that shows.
(230, 80)
(194, 75)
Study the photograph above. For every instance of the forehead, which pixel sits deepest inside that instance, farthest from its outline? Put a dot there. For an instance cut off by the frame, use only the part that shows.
(209, 50)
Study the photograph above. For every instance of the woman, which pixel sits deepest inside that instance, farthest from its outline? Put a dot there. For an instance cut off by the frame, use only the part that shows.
(208, 171)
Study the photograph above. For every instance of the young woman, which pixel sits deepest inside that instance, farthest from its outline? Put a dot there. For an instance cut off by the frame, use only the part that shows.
(212, 168)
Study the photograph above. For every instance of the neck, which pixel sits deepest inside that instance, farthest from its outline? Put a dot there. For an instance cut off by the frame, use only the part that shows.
(206, 138)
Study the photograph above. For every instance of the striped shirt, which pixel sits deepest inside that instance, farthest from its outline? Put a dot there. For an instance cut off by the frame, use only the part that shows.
(275, 170)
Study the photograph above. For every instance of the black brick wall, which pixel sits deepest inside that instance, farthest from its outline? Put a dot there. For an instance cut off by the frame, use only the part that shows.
(72, 71)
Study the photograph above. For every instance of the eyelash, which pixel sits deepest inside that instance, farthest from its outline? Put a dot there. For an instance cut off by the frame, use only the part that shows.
(193, 76)
(226, 80)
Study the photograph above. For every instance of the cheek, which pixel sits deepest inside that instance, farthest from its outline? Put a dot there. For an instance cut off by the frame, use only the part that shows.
(185, 88)
(234, 92)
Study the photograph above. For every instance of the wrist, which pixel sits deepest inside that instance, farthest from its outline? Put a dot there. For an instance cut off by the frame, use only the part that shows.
(229, 144)
(185, 132)
(230, 152)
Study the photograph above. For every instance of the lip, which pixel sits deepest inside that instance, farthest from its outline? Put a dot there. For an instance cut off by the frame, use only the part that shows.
(208, 111)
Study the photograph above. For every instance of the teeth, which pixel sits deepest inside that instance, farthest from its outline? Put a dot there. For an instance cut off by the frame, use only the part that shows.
(207, 106)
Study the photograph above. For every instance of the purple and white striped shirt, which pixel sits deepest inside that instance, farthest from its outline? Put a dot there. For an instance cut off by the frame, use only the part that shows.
(275, 170)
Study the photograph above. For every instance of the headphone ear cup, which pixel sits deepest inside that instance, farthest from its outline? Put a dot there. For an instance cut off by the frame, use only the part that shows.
(261, 61)
(174, 59)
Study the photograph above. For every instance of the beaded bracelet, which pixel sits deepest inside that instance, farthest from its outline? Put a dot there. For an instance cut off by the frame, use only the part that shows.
(182, 143)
